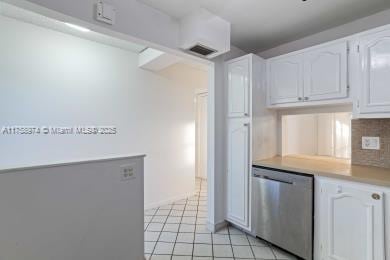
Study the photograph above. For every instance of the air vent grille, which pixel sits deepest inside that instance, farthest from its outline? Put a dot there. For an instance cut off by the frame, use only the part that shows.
(202, 50)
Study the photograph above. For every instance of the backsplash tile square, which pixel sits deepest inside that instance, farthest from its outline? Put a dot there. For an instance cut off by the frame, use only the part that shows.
(371, 127)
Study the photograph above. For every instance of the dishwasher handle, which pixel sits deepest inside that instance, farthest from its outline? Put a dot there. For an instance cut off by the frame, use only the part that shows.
(271, 179)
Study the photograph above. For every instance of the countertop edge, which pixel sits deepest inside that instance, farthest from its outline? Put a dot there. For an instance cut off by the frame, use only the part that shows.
(324, 174)
(71, 162)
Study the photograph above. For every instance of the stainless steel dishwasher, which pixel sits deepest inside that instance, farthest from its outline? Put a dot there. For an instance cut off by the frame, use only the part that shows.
(283, 210)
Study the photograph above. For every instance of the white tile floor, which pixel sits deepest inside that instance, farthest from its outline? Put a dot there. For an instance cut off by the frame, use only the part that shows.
(178, 232)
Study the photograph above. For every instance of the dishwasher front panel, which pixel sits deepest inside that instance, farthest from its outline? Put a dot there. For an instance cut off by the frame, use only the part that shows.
(283, 204)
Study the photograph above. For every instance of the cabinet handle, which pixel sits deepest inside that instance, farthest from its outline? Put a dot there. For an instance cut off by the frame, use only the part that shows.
(246, 114)
(306, 98)
(246, 124)
(376, 196)
(300, 99)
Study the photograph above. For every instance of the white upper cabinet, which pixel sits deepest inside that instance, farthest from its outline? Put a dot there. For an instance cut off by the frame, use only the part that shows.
(285, 78)
(352, 222)
(326, 73)
(374, 73)
(238, 87)
(238, 172)
(316, 74)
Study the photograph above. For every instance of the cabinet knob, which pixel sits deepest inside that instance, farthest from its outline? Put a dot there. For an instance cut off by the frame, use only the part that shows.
(306, 98)
(376, 196)
(246, 114)
(300, 99)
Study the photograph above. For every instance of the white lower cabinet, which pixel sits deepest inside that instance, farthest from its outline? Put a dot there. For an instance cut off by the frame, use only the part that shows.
(238, 172)
(350, 221)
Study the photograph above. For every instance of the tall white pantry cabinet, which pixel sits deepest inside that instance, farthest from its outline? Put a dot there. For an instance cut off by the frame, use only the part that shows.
(251, 133)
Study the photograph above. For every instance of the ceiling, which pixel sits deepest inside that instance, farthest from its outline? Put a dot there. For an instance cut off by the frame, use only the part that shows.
(258, 25)
(23, 15)
(27, 16)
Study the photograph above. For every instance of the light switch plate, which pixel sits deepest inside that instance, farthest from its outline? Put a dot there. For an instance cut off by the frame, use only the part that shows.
(105, 13)
(127, 172)
(370, 143)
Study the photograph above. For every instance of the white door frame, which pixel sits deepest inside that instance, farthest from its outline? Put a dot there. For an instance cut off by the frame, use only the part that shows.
(198, 93)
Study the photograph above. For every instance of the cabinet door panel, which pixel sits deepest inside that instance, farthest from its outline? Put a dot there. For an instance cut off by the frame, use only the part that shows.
(352, 224)
(238, 173)
(375, 71)
(326, 73)
(238, 88)
(285, 79)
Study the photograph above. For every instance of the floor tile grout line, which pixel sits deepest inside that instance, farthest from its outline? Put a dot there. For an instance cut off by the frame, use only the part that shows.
(250, 246)
(150, 220)
(178, 230)
(196, 220)
(161, 233)
(196, 223)
(211, 236)
(230, 240)
(151, 254)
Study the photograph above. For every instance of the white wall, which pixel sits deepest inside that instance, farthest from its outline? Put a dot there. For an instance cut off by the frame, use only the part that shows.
(49, 78)
(324, 134)
(74, 211)
(300, 134)
(366, 23)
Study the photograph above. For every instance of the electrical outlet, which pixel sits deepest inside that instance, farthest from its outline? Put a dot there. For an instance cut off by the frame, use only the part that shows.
(127, 172)
(370, 143)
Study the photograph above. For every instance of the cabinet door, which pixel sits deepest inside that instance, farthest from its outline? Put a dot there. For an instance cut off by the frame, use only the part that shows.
(238, 88)
(352, 223)
(286, 79)
(238, 173)
(326, 73)
(375, 71)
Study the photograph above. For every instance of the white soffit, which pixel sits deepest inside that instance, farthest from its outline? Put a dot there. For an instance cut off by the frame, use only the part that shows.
(155, 60)
(27, 16)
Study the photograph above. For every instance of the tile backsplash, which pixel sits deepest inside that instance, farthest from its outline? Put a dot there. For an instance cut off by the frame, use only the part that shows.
(371, 127)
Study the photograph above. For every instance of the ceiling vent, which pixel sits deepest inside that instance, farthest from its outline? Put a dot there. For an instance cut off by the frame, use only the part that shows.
(202, 50)
(205, 34)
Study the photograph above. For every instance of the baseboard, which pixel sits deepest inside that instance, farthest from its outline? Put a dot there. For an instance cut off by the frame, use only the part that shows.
(168, 201)
(214, 227)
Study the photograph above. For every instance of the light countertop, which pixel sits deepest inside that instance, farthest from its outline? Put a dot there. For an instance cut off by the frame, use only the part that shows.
(70, 162)
(328, 167)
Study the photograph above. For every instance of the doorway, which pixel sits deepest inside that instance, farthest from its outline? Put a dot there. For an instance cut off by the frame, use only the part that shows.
(201, 135)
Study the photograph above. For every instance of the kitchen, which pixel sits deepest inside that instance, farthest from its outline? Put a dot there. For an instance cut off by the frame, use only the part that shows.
(341, 204)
